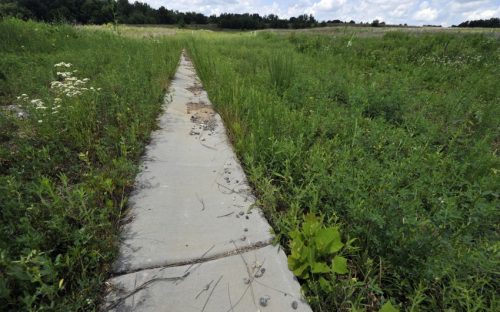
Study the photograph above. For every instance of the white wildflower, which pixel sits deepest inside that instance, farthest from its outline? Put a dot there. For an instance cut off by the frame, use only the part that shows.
(62, 64)
(37, 102)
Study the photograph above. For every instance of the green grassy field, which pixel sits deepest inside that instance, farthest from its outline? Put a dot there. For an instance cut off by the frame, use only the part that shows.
(390, 140)
(67, 166)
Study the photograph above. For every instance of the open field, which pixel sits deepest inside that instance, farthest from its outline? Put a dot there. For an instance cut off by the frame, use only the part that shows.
(357, 31)
(67, 165)
(368, 31)
(391, 140)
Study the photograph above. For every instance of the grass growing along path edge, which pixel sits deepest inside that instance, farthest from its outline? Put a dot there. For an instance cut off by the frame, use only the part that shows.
(392, 140)
(67, 167)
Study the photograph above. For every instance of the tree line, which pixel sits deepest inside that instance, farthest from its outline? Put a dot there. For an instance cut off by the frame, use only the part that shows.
(488, 23)
(122, 11)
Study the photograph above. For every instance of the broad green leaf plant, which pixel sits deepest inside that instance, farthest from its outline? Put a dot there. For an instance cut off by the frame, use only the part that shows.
(315, 250)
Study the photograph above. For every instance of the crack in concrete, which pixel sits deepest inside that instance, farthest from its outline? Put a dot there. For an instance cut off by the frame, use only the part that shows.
(237, 251)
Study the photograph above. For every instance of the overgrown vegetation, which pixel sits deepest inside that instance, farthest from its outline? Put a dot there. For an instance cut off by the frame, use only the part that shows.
(392, 140)
(377, 156)
(76, 108)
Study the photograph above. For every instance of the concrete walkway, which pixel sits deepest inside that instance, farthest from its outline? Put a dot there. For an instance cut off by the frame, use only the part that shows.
(194, 241)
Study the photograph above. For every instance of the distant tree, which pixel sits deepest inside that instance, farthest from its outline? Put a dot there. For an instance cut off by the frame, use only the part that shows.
(489, 23)
(303, 21)
(123, 11)
(180, 21)
(212, 19)
(97, 11)
(12, 8)
(375, 23)
(164, 16)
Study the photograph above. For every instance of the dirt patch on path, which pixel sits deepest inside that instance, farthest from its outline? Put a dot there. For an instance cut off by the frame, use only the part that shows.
(196, 89)
(202, 114)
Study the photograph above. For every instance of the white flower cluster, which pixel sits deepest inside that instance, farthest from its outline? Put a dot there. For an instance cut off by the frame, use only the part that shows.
(62, 64)
(39, 104)
(69, 85)
(23, 97)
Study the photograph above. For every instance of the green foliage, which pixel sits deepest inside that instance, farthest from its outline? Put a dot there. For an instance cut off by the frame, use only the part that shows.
(388, 307)
(65, 172)
(315, 249)
(281, 71)
(394, 139)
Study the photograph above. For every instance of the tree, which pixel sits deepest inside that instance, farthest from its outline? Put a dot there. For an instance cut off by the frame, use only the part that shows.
(123, 11)
(489, 23)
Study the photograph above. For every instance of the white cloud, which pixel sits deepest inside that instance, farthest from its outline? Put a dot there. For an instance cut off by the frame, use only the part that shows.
(426, 15)
(482, 14)
(413, 12)
(328, 5)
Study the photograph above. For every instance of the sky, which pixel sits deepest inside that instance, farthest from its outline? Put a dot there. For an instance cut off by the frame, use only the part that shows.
(412, 12)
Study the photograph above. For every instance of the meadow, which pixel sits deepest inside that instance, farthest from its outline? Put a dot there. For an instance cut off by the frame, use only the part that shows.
(393, 141)
(76, 109)
(388, 144)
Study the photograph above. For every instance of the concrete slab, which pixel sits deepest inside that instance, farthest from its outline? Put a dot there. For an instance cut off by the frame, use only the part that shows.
(194, 240)
(257, 280)
(191, 199)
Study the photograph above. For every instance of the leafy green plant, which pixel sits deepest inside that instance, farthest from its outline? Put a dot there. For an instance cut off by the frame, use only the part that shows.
(388, 307)
(315, 249)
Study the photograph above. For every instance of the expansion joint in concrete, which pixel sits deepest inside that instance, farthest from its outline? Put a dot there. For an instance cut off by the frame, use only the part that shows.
(202, 259)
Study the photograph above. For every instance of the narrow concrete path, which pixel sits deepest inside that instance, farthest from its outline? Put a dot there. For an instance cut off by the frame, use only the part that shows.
(194, 241)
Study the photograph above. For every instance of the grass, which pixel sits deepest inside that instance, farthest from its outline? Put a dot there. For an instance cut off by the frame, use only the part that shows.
(369, 31)
(65, 172)
(394, 140)
(388, 144)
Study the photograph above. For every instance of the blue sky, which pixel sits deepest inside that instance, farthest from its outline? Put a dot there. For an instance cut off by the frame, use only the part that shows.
(414, 12)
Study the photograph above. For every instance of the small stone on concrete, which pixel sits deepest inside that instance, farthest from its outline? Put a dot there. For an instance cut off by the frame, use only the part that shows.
(264, 300)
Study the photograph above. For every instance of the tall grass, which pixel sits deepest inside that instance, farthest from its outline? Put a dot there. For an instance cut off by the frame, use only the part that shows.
(66, 169)
(281, 70)
(394, 139)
